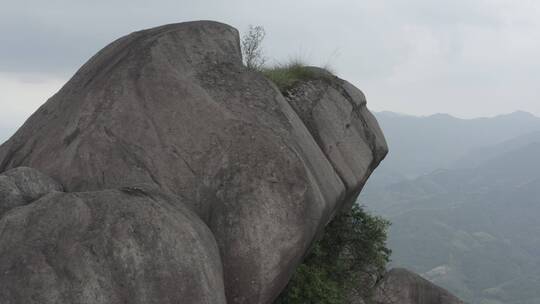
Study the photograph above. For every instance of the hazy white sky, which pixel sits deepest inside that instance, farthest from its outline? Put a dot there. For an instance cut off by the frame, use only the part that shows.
(464, 57)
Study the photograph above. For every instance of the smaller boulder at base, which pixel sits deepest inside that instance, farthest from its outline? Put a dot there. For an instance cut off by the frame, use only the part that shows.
(132, 245)
(405, 287)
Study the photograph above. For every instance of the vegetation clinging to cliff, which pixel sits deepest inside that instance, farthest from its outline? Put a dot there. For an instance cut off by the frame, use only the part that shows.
(285, 76)
(251, 44)
(349, 259)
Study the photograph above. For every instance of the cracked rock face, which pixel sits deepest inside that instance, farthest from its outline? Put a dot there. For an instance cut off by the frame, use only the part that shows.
(336, 115)
(174, 108)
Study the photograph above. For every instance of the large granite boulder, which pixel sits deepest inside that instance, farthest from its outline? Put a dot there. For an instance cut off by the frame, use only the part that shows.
(405, 287)
(113, 246)
(175, 108)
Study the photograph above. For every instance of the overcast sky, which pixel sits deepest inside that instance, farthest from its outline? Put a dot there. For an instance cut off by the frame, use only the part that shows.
(468, 58)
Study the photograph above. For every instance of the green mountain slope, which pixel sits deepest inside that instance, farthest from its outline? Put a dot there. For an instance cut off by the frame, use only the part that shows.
(474, 230)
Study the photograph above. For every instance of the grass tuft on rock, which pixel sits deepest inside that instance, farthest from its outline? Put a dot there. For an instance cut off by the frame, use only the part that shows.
(286, 76)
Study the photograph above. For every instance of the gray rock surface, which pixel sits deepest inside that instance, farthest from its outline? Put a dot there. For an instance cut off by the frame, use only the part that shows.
(405, 287)
(335, 113)
(111, 246)
(21, 186)
(174, 107)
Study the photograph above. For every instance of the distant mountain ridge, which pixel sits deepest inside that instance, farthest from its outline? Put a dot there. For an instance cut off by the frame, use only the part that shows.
(477, 156)
(511, 114)
(473, 226)
(421, 144)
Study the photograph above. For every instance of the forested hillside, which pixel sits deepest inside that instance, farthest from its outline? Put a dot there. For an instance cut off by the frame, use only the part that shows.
(472, 225)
